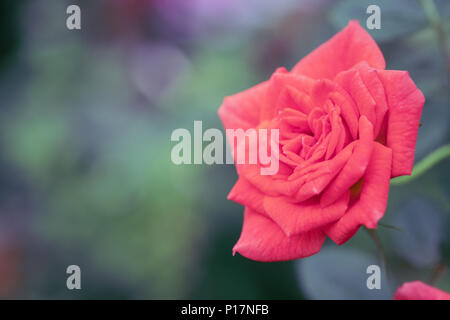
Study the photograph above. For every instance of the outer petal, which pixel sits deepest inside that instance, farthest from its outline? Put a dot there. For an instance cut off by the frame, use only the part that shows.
(370, 207)
(262, 240)
(243, 109)
(417, 290)
(347, 48)
(405, 107)
(245, 193)
(292, 218)
(295, 218)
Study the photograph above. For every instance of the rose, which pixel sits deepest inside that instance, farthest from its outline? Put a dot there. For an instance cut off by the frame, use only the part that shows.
(346, 127)
(417, 290)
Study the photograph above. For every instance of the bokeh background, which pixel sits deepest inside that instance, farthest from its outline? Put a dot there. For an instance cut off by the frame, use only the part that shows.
(85, 170)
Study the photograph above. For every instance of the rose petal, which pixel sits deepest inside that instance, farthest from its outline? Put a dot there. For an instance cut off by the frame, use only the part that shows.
(319, 175)
(278, 83)
(348, 111)
(291, 97)
(245, 193)
(405, 108)
(267, 184)
(375, 87)
(348, 47)
(295, 218)
(355, 167)
(243, 109)
(352, 82)
(335, 134)
(370, 206)
(262, 240)
(417, 290)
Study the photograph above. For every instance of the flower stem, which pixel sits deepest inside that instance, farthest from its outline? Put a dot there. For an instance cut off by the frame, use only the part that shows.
(376, 239)
(388, 226)
(437, 272)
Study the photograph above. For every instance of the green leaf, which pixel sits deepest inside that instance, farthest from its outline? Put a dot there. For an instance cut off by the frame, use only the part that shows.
(422, 221)
(340, 273)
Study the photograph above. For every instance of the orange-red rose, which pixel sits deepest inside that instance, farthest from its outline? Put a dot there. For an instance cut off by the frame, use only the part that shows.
(418, 290)
(346, 127)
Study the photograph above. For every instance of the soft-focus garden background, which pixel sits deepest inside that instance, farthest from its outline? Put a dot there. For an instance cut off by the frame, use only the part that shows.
(85, 171)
